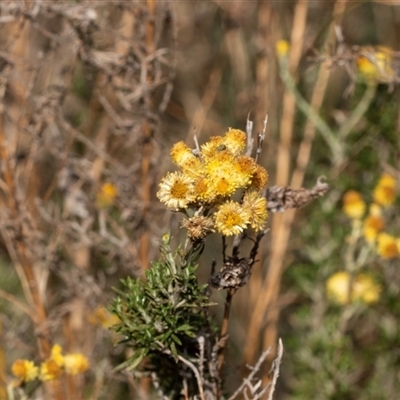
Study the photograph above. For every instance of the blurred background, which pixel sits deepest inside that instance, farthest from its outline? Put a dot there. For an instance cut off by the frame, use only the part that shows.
(93, 95)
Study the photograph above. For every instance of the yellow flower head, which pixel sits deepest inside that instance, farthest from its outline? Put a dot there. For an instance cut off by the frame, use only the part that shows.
(375, 210)
(25, 370)
(353, 204)
(76, 363)
(103, 317)
(107, 194)
(176, 190)
(376, 64)
(364, 288)
(235, 141)
(212, 147)
(198, 227)
(387, 246)
(256, 205)
(337, 287)
(221, 177)
(50, 370)
(372, 226)
(56, 355)
(230, 218)
(385, 191)
(184, 158)
(259, 178)
(282, 48)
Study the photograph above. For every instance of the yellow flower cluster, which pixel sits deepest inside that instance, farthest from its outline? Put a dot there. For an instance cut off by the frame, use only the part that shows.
(375, 64)
(52, 368)
(363, 288)
(384, 194)
(207, 179)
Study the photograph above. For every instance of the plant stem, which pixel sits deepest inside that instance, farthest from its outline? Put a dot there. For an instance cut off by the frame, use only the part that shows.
(224, 329)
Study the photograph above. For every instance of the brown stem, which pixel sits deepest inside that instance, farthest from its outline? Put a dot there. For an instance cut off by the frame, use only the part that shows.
(224, 329)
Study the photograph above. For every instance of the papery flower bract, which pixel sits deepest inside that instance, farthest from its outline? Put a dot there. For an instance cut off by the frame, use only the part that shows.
(353, 204)
(50, 370)
(282, 48)
(387, 246)
(198, 227)
(75, 363)
(176, 190)
(106, 195)
(231, 218)
(25, 370)
(385, 191)
(256, 205)
(372, 225)
(364, 288)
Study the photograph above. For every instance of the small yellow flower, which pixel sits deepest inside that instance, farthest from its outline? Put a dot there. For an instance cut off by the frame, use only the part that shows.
(364, 288)
(387, 246)
(282, 48)
(176, 190)
(107, 194)
(25, 370)
(337, 287)
(385, 191)
(56, 355)
(376, 64)
(353, 204)
(50, 370)
(372, 226)
(76, 363)
(103, 317)
(231, 218)
(375, 210)
(256, 205)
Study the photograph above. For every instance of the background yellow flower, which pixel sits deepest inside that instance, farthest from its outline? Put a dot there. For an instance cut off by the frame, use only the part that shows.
(353, 204)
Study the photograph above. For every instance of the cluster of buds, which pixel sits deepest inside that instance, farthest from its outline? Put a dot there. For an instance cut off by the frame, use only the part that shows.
(386, 245)
(217, 187)
(50, 369)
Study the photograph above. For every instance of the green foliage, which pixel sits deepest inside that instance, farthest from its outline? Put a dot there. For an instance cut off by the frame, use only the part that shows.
(162, 315)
